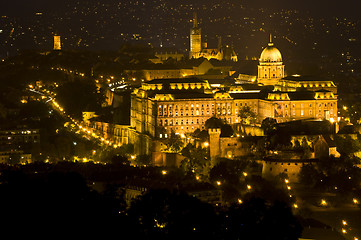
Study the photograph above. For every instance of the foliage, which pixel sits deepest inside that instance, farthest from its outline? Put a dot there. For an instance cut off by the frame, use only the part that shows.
(197, 160)
(276, 220)
(269, 126)
(161, 214)
(226, 129)
(79, 96)
(143, 160)
(106, 154)
(347, 146)
(203, 135)
(213, 122)
(332, 172)
(56, 199)
(119, 160)
(174, 142)
(246, 116)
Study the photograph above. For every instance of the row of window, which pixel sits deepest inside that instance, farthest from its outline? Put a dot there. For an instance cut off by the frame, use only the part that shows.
(180, 122)
(186, 106)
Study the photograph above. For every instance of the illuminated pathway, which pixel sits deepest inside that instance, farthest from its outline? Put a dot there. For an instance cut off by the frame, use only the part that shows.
(334, 217)
(88, 132)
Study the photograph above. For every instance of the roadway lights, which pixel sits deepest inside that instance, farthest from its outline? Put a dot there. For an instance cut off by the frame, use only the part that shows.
(295, 205)
(355, 201)
(245, 174)
(323, 202)
(164, 172)
(344, 222)
(249, 187)
(218, 183)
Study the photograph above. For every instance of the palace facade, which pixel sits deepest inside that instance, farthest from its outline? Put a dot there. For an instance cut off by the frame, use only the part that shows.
(183, 105)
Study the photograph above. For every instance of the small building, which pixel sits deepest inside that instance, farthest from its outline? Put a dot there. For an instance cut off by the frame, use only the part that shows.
(325, 146)
(14, 157)
(273, 166)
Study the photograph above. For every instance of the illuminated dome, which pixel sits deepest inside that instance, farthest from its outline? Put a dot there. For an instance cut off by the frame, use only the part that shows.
(271, 54)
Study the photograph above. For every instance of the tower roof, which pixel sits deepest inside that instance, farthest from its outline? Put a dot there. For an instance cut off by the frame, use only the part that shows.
(271, 53)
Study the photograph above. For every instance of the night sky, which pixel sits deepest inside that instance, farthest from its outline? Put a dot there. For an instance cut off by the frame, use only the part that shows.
(319, 7)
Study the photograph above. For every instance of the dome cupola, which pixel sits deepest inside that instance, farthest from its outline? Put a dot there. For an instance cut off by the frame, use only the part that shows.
(270, 53)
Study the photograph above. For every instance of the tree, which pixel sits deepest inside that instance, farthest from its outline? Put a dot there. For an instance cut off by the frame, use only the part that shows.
(258, 219)
(164, 214)
(143, 160)
(119, 160)
(269, 125)
(197, 160)
(226, 130)
(246, 116)
(213, 122)
(79, 96)
(174, 142)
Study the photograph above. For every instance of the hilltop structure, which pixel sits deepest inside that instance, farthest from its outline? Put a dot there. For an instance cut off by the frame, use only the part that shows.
(199, 49)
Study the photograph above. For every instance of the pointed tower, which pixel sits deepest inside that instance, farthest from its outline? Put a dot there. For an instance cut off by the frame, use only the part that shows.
(270, 68)
(195, 39)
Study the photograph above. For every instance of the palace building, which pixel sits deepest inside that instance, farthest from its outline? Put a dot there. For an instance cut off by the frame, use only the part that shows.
(183, 105)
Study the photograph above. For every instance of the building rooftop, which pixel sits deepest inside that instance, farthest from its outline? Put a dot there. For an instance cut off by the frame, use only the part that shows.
(300, 78)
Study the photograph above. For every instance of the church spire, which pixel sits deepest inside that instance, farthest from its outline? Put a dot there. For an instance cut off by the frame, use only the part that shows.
(195, 23)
